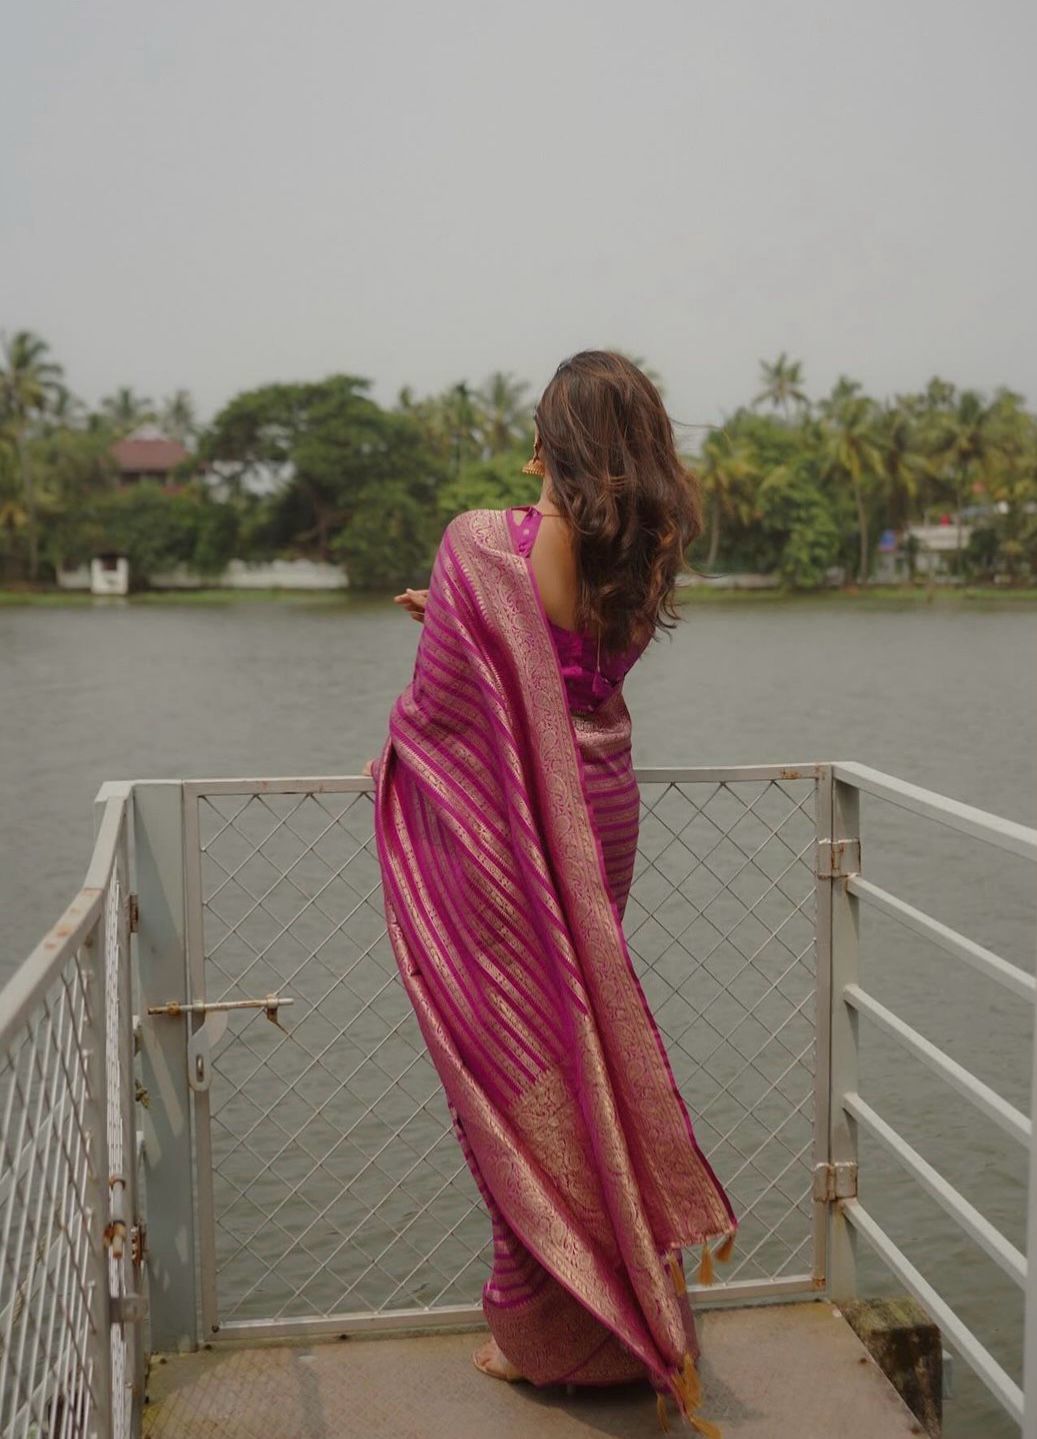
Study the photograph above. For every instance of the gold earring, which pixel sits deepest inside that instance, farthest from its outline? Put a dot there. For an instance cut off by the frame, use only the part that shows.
(535, 466)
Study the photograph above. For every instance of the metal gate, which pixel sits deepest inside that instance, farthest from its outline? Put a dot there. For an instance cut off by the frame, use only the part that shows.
(332, 1195)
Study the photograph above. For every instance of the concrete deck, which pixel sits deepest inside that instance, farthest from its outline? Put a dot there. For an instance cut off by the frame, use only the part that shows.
(791, 1369)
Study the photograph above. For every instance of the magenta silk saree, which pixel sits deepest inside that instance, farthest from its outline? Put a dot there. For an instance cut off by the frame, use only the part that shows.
(504, 895)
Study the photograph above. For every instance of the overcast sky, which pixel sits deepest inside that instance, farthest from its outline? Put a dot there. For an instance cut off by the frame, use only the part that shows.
(215, 195)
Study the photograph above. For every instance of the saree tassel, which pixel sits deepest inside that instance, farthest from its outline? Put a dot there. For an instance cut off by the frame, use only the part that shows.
(726, 1249)
(706, 1275)
(691, 1385)
(687, 1388)
(677, 1275)
(661, 1411)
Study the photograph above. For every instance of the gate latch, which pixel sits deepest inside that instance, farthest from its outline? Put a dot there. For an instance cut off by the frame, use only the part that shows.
(270, 1004)
(211, 1030)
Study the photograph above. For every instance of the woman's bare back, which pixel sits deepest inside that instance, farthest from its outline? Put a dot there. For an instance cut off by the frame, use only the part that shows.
(554, 568)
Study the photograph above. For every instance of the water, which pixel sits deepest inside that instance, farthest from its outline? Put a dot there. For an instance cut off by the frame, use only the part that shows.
(941, 697)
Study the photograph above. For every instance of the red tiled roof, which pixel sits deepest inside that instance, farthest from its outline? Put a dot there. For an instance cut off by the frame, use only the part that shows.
(150, 456)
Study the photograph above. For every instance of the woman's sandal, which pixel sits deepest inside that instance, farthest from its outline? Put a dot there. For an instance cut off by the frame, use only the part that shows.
(489, 1359)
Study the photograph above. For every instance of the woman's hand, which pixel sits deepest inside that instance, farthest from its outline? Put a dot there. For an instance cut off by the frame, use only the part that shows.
(368, 768)
(413, 601)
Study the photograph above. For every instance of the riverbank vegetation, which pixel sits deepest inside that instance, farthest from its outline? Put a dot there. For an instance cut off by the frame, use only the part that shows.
(792, 486)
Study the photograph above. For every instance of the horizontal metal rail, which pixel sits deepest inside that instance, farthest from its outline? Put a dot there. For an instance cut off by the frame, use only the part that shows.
(1010, 1119)
(966, 818)
(1000, 1249)
(975, 1354)
(1010, 976)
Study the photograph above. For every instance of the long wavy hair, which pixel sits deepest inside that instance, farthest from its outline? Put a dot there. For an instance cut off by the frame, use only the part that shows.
(633, 508)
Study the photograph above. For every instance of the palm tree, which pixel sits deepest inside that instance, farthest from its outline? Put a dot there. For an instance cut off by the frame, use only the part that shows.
(178, 417)
(459, 418)
(505, 411)
(725, 469)
(939, 394)
(966, 443)
(850, 451)
(29, 381)
(902, 462)
(125, 410)
(782, 383)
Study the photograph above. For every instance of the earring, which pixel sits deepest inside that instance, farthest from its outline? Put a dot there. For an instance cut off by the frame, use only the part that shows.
(535, 466)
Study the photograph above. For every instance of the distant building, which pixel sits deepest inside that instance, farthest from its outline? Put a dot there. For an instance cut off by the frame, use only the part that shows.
(935, 549)
(109, 574)
(148, 455)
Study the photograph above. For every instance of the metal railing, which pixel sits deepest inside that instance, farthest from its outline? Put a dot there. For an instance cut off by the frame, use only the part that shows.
(302, 1174)
(850, 1111)
(71, 1355)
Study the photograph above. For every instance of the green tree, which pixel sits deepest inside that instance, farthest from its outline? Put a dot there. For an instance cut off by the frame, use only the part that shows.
(727, 471)
(791, 506)
(178, 418)
(506, 414)
(124, 409)
(340, 462)
(29, 382)
(903, 464)
(782, 384)
(851, 454)
(965, 441)
(494, 484)
(155, 528)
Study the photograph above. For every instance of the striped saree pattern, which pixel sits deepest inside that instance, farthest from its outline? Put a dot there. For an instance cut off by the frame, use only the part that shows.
(506, 831)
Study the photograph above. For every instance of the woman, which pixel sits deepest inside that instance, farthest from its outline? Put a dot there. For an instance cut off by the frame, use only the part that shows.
(506, 815)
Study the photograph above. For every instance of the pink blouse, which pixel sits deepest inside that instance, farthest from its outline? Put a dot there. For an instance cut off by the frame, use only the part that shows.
(590, 679)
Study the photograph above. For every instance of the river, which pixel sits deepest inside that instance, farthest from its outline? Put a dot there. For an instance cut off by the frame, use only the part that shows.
(940, 695)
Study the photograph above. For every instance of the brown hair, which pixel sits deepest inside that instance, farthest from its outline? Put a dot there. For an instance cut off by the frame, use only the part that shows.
(634, 509)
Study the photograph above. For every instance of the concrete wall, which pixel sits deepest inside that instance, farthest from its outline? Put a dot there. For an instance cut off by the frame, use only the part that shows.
(112, 578)
(239, 575)
(733, 582)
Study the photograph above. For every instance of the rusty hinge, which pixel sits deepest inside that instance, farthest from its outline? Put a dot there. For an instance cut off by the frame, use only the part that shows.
(838, 858)
(835, 1181)
(133, 913)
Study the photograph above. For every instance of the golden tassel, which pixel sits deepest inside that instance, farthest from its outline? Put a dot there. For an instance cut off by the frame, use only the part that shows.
(677, 1275)
(706, 1275)
(688, 1390)
(535, 466)
(660, 1409)
(727, 1248)
(691, 1384)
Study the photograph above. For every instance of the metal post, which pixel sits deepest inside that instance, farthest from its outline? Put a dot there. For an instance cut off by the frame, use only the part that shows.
(842, 1127)
(822, 1017)
(162, 976)
(135, 1279)
(95, 1126)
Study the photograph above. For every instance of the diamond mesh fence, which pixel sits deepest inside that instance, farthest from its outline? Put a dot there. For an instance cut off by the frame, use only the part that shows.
(338, 1186)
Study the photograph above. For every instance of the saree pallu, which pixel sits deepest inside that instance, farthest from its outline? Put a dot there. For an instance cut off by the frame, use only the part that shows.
(506, 830)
